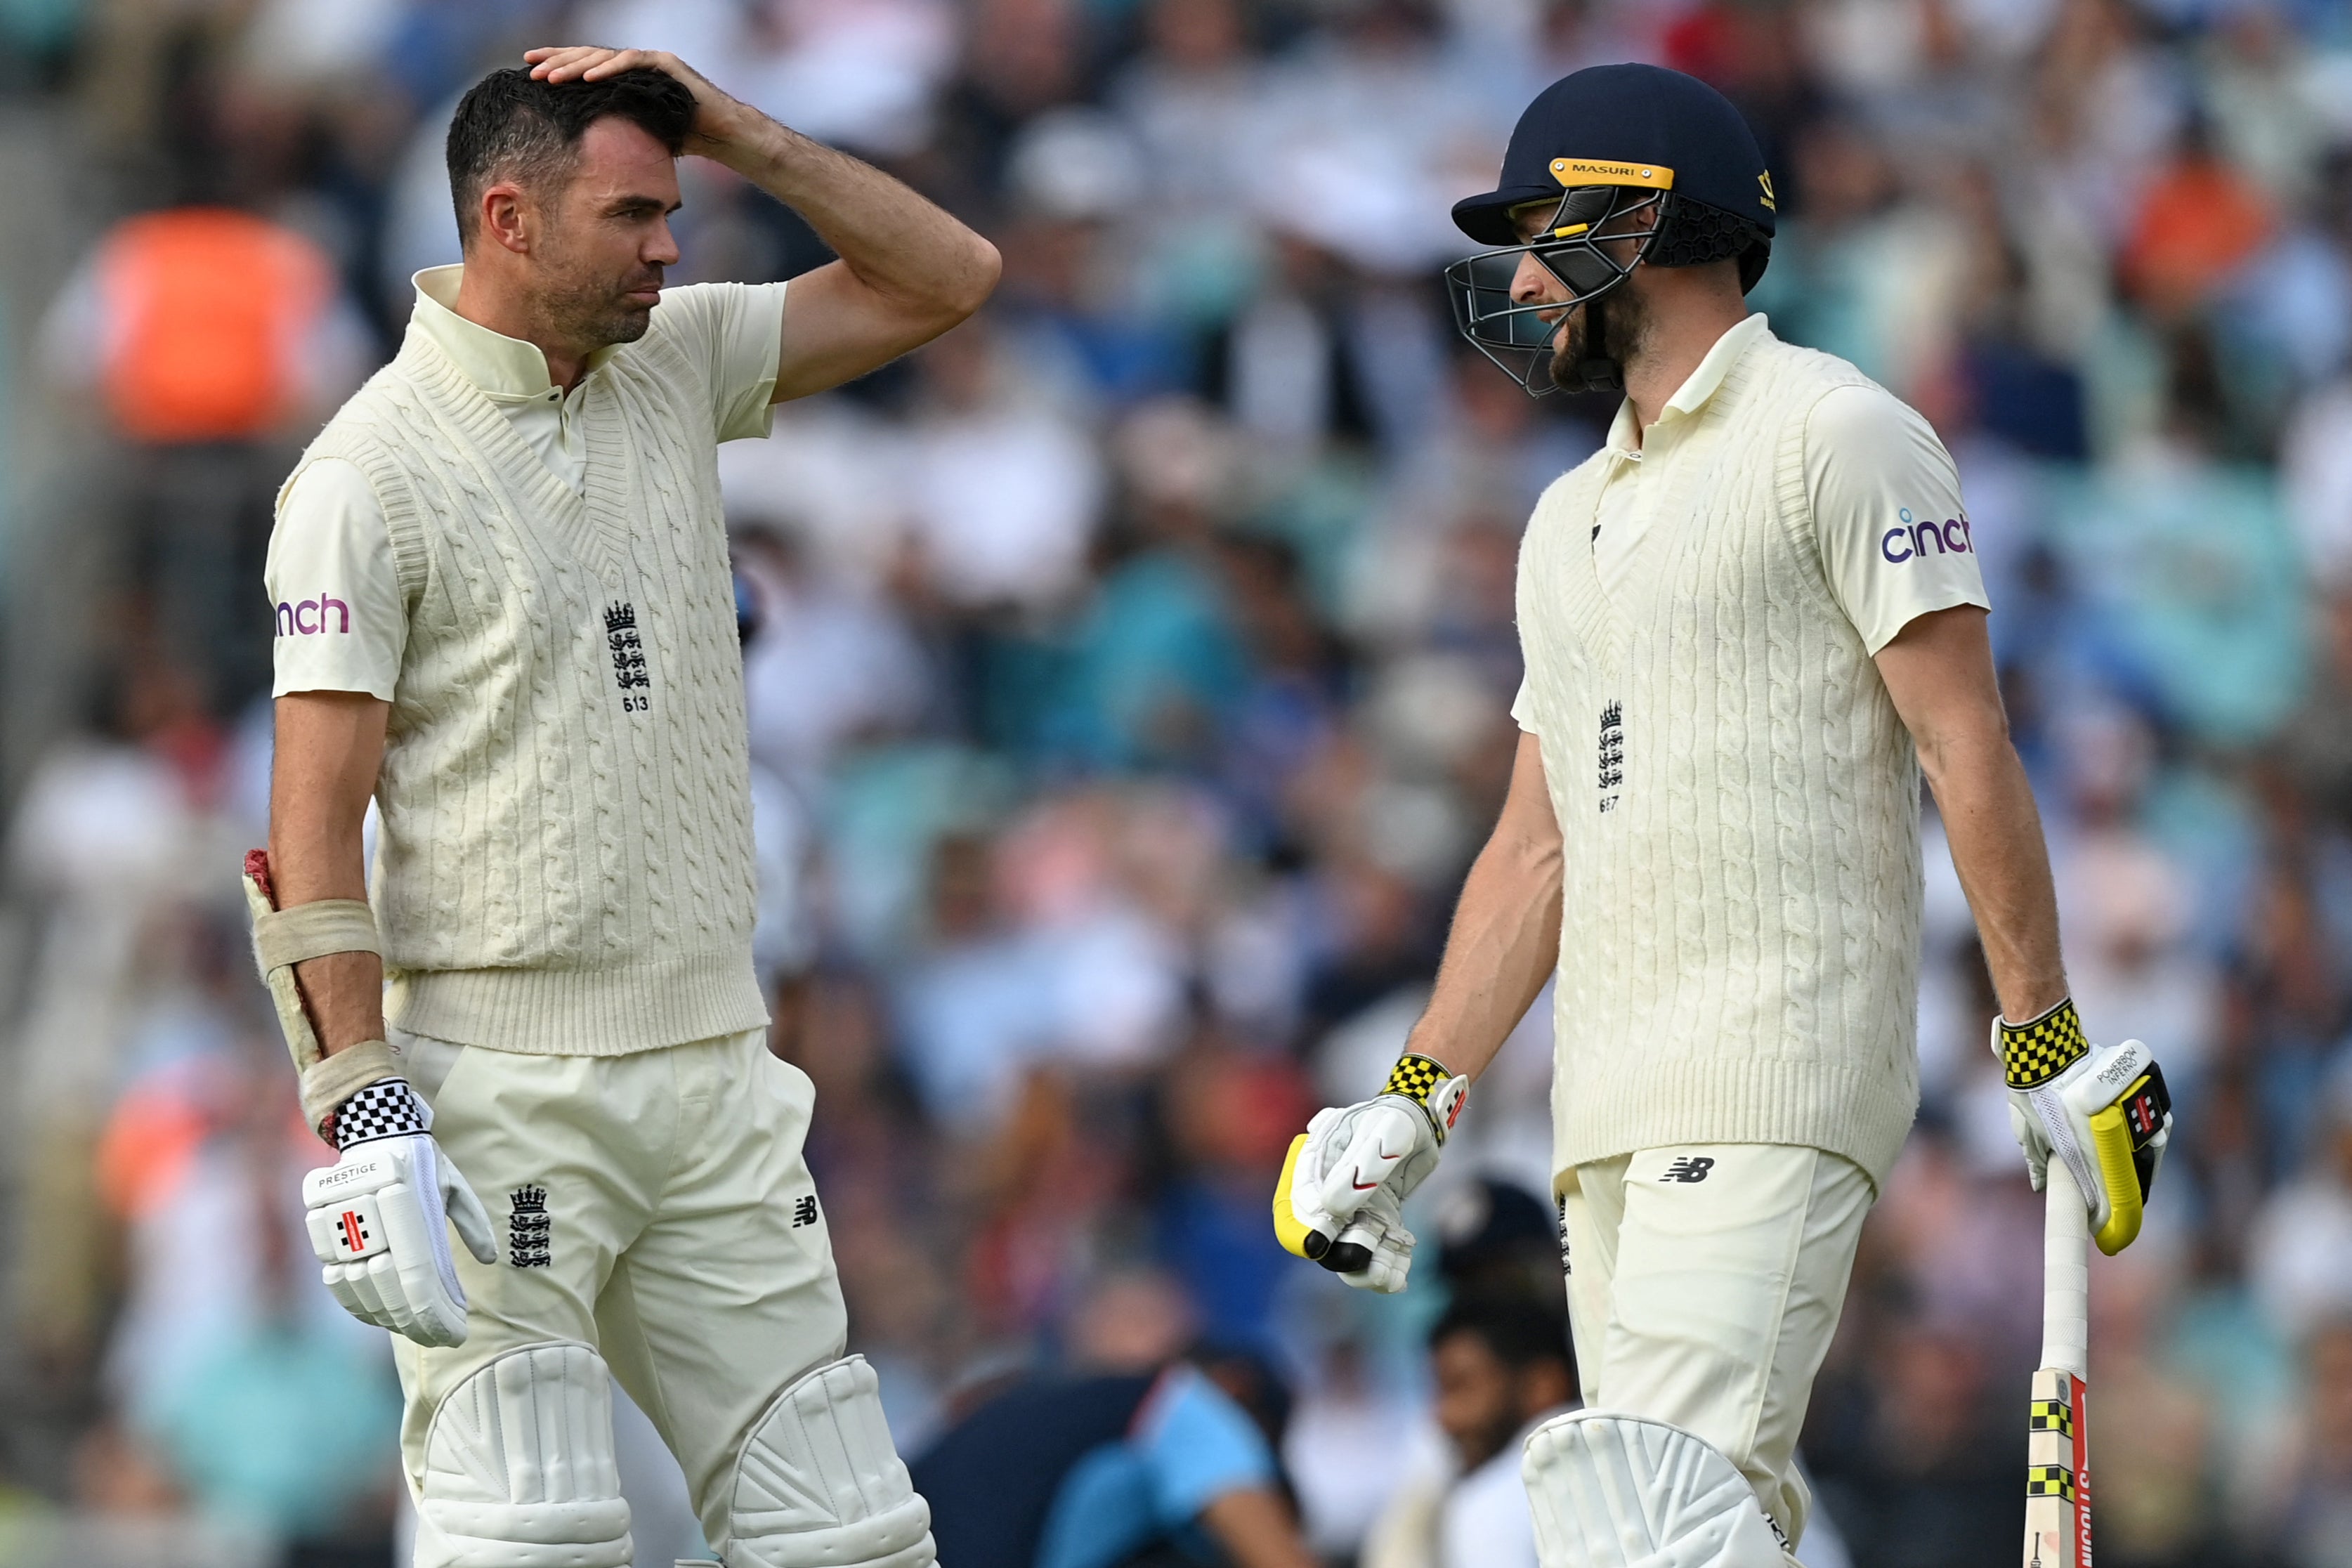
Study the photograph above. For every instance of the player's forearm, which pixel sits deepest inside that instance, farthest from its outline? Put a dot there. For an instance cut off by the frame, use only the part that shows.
(1503, 946)
(897, 244)
(322, 773)
(1995, 832)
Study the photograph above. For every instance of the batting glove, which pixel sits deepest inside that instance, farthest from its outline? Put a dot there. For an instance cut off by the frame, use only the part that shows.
(379, 1217)
(1340, 1201)
(2105, 1112)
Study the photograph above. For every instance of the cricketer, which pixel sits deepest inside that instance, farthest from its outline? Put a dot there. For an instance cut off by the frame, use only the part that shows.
(505, 615)
(1749, 622)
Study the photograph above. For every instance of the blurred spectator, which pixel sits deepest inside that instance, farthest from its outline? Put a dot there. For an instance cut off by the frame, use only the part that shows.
(2299, 1258)
(2198, 220)
(1090, 1472)
(2316, 1525)
(1004, 491)
(206, 335)
(1501, 1366)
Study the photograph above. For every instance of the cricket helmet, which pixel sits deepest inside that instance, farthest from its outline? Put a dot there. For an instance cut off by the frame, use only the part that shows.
(1615, 152)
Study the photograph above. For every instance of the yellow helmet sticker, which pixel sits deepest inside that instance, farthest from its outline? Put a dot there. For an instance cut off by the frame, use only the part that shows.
(1595, 172)
(1765, 180)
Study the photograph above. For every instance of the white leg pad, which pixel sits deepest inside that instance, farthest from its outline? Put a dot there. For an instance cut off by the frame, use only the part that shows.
(518, 1468)
(820, 1486)
(1609, 1491)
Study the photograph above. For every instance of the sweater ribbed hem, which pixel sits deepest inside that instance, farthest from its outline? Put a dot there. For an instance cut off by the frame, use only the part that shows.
(1863, 1116)
(608, 1012)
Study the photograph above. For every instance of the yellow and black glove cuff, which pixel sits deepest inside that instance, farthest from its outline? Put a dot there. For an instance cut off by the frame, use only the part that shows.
(1423, 1080)
(2034, 1053)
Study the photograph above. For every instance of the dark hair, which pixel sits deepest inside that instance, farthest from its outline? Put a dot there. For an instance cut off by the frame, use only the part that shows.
(510, 124)
(1521, 1329)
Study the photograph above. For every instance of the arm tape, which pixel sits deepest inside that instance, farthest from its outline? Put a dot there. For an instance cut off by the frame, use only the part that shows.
(284, 938)
(330, 1080)
(314, 930)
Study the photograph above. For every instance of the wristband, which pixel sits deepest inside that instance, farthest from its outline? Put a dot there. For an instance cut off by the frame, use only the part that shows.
(2034, 1053)
(1432, 1086)
(387, 1108)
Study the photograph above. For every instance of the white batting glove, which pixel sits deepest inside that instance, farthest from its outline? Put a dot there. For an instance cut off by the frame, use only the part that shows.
(379, 1217)
(1340, 1201)
(2103, 1111)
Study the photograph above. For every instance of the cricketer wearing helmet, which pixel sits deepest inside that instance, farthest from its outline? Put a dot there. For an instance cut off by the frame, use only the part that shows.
(1749, 622)
(505, 615)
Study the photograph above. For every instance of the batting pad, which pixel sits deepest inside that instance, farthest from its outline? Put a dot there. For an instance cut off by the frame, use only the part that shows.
(518, 1469)
(1609, 1491)
(820, 1486)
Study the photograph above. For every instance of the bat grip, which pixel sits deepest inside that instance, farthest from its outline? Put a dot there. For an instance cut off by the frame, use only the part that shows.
(2066, 1275)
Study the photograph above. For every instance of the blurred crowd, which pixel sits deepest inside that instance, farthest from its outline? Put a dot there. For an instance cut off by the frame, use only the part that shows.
(1129, 678)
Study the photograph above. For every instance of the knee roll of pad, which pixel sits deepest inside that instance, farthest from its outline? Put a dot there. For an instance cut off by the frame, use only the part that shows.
(1618, 1491)
(819, 1485)
(518, 1467)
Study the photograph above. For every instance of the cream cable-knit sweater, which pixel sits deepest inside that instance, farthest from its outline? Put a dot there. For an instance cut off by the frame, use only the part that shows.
(565, 861)
(1739, 806)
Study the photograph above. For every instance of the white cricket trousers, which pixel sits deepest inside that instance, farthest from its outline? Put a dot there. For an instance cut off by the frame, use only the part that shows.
(655, 1207)
(1704, 1281)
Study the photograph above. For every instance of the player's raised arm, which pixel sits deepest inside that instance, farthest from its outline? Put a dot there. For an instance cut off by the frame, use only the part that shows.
(2103, 1111)
(907, 271)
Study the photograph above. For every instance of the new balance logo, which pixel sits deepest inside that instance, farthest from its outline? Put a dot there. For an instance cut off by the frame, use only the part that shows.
(804, 1211)
(1688, 1168)
(529, 1228)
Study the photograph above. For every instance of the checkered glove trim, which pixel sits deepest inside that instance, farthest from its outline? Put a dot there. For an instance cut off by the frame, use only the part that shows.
(2031, 1054)
(1419, 1079)
(1415, 1077)
(387, 1108)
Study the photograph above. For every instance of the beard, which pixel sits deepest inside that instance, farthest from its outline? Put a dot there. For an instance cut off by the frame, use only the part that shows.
(1598, 338)
(596, 312)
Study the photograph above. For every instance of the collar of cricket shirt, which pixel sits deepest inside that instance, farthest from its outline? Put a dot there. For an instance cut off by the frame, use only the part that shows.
(1701, 384)
(508, 369)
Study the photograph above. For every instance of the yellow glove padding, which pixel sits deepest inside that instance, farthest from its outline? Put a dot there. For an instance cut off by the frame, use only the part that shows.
(1340, 1200)
(2103, 1111)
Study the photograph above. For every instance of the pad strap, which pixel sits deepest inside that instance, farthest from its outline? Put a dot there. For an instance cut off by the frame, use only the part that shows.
(2034, 1053)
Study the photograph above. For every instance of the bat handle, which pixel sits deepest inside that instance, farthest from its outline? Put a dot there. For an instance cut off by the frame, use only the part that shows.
(2066, 1275)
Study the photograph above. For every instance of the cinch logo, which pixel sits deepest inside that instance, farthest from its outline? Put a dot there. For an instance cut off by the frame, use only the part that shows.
(309, 615)
(1949, 537)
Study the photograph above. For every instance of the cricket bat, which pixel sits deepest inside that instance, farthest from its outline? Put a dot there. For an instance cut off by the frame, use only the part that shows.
(2057, 1444)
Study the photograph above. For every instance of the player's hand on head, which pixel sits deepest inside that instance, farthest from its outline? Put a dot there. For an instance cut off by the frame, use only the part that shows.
(2102, 1109)
(379, 1219)
(1340, 1200)
(716, 112)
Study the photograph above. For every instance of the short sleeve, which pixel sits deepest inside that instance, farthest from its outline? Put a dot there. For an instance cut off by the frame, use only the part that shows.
(1198, 1445)
(1893, 536)
(1523, 708)
(341, 624)
(736, 332)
